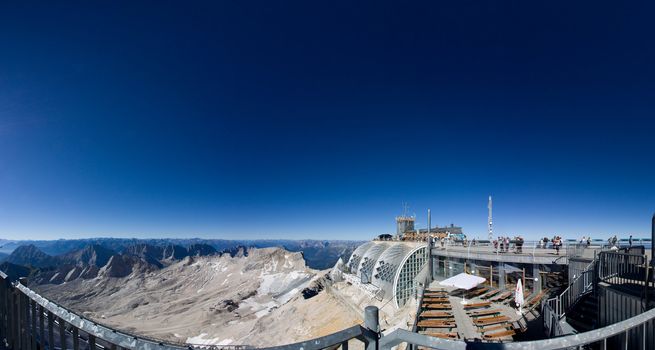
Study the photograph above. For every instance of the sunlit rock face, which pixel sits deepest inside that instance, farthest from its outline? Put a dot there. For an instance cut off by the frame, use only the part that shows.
(258, 297)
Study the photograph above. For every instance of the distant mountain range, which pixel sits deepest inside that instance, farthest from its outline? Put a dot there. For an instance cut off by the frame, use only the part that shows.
(66, 260)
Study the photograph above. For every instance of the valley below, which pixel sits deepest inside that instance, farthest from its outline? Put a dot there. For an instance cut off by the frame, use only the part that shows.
(269, 297)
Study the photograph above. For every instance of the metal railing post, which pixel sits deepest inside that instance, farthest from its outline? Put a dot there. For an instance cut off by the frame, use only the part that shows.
(13, 322)
(627, 337)
(42, 327)
(92, 342)
(51, 330)
(372, 325)
(344, 346)
(33, 327)
(22, 306)
(3, 309)
(62, 334)
(76, 339)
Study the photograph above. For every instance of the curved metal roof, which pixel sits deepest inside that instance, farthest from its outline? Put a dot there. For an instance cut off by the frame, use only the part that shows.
(370, 259)
(387, 267)
(357, 255)
(381, 262)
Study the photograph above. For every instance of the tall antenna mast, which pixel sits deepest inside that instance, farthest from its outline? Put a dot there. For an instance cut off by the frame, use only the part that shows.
(490, 222)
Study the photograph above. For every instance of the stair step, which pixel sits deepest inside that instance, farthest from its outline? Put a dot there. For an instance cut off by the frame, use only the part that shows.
(580, 326)
(587, 309)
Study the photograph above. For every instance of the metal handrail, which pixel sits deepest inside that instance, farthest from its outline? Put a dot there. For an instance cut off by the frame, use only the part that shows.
(92, 328)
(575, 340)
(551, 321)
(339, 338)
(620, 265)
(371, 335)
(581, 285)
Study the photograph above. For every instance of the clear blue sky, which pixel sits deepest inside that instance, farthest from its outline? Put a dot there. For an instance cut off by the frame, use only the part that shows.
(237, 119)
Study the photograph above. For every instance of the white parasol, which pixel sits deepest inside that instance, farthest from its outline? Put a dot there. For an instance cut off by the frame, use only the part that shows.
(518, 296)
(462, 281)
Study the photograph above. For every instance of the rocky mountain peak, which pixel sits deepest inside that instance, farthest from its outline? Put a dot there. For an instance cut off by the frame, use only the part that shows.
(30, 255)
(91, 255)
(201, 249)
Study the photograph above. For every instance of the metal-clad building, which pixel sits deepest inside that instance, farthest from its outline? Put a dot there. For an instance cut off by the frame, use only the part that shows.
(356, 257)
(395, 268)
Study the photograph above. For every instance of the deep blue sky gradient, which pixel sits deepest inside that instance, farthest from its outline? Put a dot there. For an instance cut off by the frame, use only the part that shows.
(318, 119)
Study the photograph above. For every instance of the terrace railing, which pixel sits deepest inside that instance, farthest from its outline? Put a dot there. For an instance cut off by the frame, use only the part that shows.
(379, 341)
(29, 321)
(621, 268)
(627, 271)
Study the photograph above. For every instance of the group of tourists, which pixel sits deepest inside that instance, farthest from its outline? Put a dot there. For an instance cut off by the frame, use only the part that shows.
(557, 243)
(585, 240)
(502, 244)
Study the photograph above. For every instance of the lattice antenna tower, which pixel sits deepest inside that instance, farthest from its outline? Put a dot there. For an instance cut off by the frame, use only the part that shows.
(490, 222)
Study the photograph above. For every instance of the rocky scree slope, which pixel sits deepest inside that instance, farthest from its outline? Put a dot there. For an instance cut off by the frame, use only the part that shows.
(268, 297)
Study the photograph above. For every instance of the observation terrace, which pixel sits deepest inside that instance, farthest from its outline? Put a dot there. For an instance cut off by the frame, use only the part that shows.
(28, 321)
(531, 252)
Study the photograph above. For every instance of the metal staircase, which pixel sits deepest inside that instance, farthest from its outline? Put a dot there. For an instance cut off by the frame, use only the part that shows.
(555, 309)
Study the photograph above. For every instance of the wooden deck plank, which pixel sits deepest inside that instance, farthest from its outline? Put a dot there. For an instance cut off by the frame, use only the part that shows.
(498, 335)
(490, 320)
(477, 305)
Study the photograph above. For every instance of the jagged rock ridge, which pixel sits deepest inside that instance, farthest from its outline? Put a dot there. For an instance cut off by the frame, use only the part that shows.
(213, 300)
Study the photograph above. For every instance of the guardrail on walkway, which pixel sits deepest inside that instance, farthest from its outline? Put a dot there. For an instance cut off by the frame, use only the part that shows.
(528, 247)
(627, 271)
(555, 309)
(583, 284)
(378, 341)
(622, 268)
(609, 267)
(28, 321)
(21, 310)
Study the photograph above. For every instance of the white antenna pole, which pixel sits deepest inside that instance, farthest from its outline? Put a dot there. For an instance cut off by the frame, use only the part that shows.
(490, 222)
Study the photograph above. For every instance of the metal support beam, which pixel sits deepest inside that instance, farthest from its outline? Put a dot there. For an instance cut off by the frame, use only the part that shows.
(429, 250)
(652, 248)
(536, 278)
(372, 325)
(501, 275)
(652, 245)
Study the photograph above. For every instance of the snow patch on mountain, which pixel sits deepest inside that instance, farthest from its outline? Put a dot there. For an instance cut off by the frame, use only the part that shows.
(210, 299)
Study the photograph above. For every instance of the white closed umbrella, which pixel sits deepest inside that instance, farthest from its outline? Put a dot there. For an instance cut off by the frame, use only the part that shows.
(462, 281)
(518, 295)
